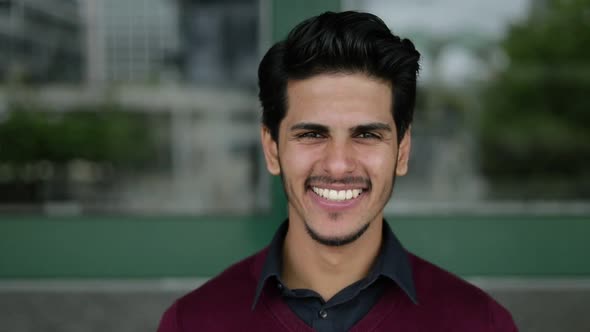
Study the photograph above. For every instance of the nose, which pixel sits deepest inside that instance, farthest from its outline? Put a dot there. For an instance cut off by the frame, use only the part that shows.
(338, 159)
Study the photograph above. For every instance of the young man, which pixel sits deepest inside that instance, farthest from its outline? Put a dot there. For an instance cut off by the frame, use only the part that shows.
(337, 96)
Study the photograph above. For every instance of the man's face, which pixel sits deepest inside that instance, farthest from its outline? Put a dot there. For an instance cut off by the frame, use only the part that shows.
(337, 153)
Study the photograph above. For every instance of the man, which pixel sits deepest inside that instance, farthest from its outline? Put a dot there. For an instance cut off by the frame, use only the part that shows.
(337, 96)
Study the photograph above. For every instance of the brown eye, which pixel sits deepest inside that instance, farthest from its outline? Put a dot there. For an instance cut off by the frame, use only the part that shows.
(367, 135)
(311, 134)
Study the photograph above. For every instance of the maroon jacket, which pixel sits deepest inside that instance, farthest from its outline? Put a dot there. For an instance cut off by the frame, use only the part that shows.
(445, 303)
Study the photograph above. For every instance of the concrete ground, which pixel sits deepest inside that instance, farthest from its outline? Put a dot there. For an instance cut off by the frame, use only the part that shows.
(537, 306)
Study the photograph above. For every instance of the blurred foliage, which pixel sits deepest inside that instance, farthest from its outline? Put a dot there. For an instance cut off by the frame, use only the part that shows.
(102, 134)
(535, 126)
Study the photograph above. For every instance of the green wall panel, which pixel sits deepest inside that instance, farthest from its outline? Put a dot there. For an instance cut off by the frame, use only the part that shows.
(126, 246)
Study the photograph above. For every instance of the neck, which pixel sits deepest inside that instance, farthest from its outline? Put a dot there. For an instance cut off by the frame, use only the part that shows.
(325, 269)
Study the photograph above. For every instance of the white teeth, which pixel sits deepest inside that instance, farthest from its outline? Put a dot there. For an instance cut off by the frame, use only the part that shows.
(333, 195)
(337, 195)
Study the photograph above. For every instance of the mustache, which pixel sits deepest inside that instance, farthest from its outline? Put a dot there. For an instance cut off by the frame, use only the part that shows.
(320, 179)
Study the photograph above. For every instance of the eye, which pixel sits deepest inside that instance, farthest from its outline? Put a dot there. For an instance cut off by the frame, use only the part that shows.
(310, 134)
(368, 135)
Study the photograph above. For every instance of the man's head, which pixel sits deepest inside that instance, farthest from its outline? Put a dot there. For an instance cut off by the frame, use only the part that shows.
(347, 42)
(338, 96)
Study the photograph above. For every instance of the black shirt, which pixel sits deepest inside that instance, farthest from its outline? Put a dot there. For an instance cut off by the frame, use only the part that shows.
(348, 306)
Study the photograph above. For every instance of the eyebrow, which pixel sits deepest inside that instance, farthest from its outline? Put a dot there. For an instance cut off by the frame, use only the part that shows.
(374, 126)
(310, 126)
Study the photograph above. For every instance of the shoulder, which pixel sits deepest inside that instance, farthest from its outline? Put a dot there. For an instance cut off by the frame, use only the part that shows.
(435, 283)
(457, 300)
(236, 281)
(231, 291)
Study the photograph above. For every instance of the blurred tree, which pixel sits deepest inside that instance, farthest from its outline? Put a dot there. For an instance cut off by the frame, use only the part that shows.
(32, 137)
(535, 134)
(103, 134)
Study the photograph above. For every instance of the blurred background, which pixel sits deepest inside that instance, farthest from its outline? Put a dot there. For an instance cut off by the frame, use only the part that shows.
(130, 168)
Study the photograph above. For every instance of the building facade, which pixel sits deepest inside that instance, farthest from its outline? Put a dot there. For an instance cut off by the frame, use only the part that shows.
(41, 41)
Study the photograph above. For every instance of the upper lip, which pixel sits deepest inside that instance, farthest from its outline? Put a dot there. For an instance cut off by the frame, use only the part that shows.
(347, 183)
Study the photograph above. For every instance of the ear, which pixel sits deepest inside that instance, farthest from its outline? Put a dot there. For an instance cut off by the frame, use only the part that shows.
(271, 151)
(403, 153)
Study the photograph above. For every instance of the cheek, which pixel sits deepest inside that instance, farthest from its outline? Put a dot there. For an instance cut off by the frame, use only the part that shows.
(380, 165)
(298, 162)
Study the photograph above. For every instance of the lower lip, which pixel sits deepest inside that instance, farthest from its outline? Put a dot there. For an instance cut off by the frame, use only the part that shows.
(335, 206)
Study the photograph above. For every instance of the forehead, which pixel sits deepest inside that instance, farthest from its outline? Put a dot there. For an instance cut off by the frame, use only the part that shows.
(339, 98)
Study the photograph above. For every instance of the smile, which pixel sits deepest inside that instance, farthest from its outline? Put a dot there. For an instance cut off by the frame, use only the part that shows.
(337, 195)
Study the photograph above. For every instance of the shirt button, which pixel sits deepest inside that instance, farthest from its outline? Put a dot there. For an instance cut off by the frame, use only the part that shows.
(323, 314)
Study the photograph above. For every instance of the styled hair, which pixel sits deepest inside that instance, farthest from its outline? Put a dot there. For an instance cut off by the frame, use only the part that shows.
(346, 42)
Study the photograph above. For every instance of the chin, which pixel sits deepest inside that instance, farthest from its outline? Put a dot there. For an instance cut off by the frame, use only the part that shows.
(336, 240)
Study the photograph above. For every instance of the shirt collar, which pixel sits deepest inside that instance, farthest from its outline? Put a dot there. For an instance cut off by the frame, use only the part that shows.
(395, 263)
(274, 260)
(392, 262)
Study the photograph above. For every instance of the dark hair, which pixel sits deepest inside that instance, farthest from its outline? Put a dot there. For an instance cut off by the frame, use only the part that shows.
(346, 42)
